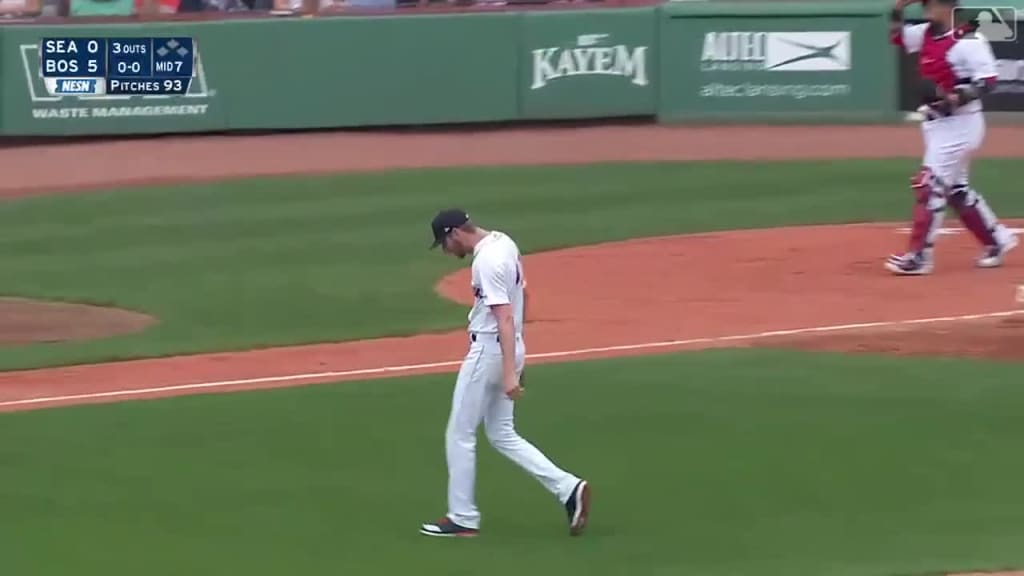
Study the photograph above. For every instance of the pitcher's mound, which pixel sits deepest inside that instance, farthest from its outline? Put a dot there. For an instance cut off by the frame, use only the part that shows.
(24, 321)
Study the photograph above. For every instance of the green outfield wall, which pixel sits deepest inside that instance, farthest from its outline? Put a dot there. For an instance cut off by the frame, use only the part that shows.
(740, 61)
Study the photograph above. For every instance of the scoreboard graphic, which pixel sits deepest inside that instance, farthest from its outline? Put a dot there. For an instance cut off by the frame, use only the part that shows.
(117, 66)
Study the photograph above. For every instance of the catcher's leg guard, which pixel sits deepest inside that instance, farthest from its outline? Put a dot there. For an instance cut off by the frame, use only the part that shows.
(975, 214)
(983, 224)
(929, 210)
(928, 214)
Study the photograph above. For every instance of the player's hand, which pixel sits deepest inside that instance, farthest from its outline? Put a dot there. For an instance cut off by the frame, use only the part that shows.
(953, 99)
(512, 387)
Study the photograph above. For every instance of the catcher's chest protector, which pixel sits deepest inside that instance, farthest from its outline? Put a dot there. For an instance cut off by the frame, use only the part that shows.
(933, 61)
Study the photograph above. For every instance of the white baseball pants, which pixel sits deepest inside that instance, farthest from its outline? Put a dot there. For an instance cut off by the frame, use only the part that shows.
(949, 143)
(479, 396)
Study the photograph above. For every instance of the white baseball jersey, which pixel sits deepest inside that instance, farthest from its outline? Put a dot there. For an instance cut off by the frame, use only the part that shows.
(497, 279)
(951, 59)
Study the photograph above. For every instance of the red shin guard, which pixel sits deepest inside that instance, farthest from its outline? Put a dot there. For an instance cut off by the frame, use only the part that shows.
(922, 224)
(972, 219)
(925, 219)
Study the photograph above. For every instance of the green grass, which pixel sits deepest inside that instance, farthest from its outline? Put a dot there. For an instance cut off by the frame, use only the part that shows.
(284, 261)
(719, 463)
(722, 463)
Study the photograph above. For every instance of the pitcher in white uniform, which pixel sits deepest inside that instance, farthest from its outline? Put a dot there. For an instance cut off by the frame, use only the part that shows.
(489, 380)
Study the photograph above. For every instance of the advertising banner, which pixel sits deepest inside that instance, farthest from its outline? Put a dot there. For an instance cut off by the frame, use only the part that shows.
(592, 63)
(780, 66)
(786, 61)
(286, 74)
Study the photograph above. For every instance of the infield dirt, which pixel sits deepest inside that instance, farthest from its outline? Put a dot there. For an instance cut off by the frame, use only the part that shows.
(707, 290)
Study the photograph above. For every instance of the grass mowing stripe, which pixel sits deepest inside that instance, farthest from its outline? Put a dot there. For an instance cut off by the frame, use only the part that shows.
(718, 463)
(299, 260)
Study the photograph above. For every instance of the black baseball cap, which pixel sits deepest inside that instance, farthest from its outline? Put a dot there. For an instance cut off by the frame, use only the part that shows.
(445, 222)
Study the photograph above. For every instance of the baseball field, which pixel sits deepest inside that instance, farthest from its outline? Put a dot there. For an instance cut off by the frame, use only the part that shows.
(235, 355)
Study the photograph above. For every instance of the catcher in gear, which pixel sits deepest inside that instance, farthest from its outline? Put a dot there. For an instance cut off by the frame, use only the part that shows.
(956, 68)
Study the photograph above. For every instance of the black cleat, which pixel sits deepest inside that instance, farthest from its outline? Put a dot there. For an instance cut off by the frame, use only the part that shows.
(577, 508)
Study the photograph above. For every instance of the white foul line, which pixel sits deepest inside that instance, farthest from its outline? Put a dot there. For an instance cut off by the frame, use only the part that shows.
(563, 354)
(954, 231)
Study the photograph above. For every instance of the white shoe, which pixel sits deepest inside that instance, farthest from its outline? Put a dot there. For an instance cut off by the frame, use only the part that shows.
(993, 255)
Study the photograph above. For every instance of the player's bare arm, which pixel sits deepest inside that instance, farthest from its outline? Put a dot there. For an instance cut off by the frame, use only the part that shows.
(896, 19)
(507, 340)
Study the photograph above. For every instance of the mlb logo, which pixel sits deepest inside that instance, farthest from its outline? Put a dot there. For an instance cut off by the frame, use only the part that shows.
(995, 23)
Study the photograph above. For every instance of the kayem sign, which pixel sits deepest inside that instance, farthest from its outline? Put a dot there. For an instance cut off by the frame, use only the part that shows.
(593, 54)
(588, 63)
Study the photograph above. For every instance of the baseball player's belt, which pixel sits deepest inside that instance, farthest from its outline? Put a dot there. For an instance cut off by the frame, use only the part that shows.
(488, 337)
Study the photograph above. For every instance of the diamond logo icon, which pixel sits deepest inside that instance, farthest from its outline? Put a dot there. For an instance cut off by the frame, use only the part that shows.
(182, 52)
(162, 51)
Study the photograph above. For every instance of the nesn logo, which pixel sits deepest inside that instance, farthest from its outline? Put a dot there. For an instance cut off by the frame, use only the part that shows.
(76, 86)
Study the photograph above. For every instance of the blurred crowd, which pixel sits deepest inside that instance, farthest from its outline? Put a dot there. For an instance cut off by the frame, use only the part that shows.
(22, 9)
